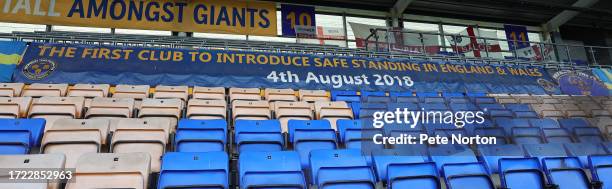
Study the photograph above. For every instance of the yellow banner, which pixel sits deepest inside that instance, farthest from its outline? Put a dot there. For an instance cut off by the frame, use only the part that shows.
(210, 16)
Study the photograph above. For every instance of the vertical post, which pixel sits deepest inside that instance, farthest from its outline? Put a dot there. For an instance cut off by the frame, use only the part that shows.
(486, 47)
(593, 55)
(49, 28)
(422, 39)
(346, 40)
(388, 41)
(112, 31)
(442, 37)
(569, 57)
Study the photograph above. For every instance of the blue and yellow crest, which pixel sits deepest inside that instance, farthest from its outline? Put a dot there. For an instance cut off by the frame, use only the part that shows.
(39, 69)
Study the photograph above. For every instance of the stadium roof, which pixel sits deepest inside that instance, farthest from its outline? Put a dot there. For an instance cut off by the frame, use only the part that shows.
(529, 12)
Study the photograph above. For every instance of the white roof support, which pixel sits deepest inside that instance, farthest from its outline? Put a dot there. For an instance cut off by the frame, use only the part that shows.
(565, 16)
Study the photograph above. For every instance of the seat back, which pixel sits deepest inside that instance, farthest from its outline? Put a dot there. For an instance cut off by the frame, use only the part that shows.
(65, 106)
(467, 175)
(286, 111)
(11, 89)
(31, 161)
(209, 93)
(262, 169)
(206, 109)
(313, 95)
(333, 111)
(112, 170)
(244, 94)
(527, 135)
(329, 168)
(566, 172)
(201, 135)
(521, 173)
(451, 154)
(589, 134)
(14, 107)
(169, 92)
(309, 135)
(137, 92)
(110, 108)
(557, 135)
(148, 136)
(491, 154)
(583, 150)
(601, 168)
(258, 135)
(194, 169)
(89, 90)
(251, 110)
(40, 90)
(73, 138)
(273, 95)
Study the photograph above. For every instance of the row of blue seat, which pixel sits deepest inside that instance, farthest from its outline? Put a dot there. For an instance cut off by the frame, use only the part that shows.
(350, 169)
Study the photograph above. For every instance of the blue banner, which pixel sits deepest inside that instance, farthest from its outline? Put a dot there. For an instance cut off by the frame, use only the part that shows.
(605, 75)
(293, 15)
(10, 54)
(517, 36)
(67, 63)
(579, 83)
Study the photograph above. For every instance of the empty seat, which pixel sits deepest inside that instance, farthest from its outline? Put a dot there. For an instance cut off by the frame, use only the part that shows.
(285, 111)
(206, 109)
(548, 110)
(170, 109)
(407, 99)
(306, 136)
(168, 92)
(544, 123)
(54, 108)
(434, 100)
(518, 107)
(147, 136)
(491, 154)
(366, 94)
(397, 169)
(251, 110)
(526, 114)
(494, 114)
(11, 89)
(506, 100)
(521, 173)
(14, 107)
(209, 93)
(484, 100)
(74, 137)
(458, 100)
(601, 169)
(497, 132)
(111, 170)
(557, 135)
(374, 99)
(89, 90)
(132, 91)
(463, 107)
(588, 134)
(545, 150)
(258, 135)
(110, 108)
(434, 106)
(566, 172)
(467, 175)
(333, 111)
(571, 123)
(244, 94)
(313, 95)
(509, 123)
(30, 162)
(270, 170)
(349, 96)
(527, 135)
(354, 133)
(201, 135)
(490, 107)
(340, 169)
(39, 90)
(18, 136)
(280, 95)
(194, 170)
(451, 154)
(583, 150)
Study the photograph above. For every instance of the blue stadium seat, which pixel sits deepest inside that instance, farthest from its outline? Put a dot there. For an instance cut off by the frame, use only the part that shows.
(434, 100)
(509, 123)
(373, 106)
(349, 96)
(194, 170)
(557, 135)
(484, 100)
(475, 94)
(491, 154)
(410, 106)
(601, 169)
(374, 96)
(372, 93)
(458, 100)
(467, 176)
(451, 94)
(397, 94)
(201, 135)
(566, 172)
(450, 132)
(588, 134)
(308, 135)
(340, 169)
(584, 150)
(407, 99)
(258, 135)
(489, 107)
(545, 150)
(427, 94)
(544, 123)
(18, 136)
(518, 107)
(521, 173)
(353, 133)
(463, 107)
(434, 106)
(526, 114)
(270, 170)
(398, 169)
(608, 146)
(450, 154)
(497, 132)
(494, 114)
(571, 123)
(527, 135)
